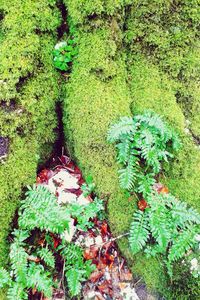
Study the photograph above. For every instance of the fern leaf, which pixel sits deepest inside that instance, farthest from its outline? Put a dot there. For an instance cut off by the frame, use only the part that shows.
(183, 242)
(125, 126)
(74, 278)
(159, 225)
(40, 210)
(37, 277)
(47, 256)
(124, 151)
(16, 292)
(184, 215)
(139, 231)
(145, 184)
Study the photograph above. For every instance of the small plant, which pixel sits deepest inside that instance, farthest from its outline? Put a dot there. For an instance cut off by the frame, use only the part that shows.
(65, 51)
(85, 213)
(142, 143)
(167, 226)
(163, 225)
(76, 269)
(32, 261)
(88, 187)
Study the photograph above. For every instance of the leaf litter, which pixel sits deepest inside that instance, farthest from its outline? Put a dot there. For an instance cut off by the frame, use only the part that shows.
(112, 279)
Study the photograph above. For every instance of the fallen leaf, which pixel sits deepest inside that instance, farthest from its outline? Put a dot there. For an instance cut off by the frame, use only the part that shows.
(91, 252)
(142, 204)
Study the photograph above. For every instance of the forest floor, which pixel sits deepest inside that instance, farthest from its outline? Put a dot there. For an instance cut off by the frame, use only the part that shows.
(111, 278)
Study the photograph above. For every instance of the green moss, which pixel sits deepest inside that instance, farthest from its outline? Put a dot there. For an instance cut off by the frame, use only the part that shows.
(151, 89)
(28, 95)
(96, 97)
(167, 34)
(81, 10)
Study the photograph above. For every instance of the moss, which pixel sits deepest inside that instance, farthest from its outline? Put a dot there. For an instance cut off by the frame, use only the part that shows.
(97, 95)
(82, 11)
(28, 95)
(167, 34)
(151, 89)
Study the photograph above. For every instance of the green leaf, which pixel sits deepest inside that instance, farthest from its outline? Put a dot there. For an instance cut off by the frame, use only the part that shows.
(47, 256)
(139, 231)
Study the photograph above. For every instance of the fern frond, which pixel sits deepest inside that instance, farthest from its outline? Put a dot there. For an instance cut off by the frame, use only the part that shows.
(74, 279)
(124, 151)
(47, 256)
(127, 177)
(145, 184)
(16, 292)
(73, 255)
(125, 126)
(18, 257)
(182, 243)
(40, 279)
(159, 225)
(184, 215)
(139, 231)
(40, 210)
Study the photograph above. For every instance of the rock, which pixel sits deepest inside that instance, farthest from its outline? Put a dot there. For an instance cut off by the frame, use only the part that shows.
(64, 180)
(129, 293)
(66, 197)
(82, 200)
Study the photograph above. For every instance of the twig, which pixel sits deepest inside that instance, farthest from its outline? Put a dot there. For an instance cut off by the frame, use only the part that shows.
(114, 239)
(110, 241)
(62, 279)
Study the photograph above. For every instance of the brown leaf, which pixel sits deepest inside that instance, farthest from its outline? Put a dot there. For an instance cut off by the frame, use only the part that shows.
(96, 275)
(91, 253)
(142, 204)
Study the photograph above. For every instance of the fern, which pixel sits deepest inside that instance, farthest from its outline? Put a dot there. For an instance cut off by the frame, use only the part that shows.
(142, 143)
(159, 226)
(85, 213)
(74, 279)
(40, 210)
(47, 256)
(125, 126)
(145, 184)
(169, 223)
(139, 231)
(40, 279)
(182, 243)
(18, 256)
(77, 270)
(16, 292)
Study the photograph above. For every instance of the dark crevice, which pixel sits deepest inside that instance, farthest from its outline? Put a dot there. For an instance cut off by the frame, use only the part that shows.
(195, 138)
(59, 145)
(63, 28)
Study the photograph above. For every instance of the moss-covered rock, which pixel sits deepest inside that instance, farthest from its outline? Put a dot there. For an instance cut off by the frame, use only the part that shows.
(97, 94)
(28, 95)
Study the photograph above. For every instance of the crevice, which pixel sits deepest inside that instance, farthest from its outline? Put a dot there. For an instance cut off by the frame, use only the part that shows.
(63, 28)
(59, 145)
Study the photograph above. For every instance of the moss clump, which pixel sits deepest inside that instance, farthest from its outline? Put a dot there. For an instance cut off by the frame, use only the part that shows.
(97, 95)
(167, 33)
(83, 10)
(28, 94)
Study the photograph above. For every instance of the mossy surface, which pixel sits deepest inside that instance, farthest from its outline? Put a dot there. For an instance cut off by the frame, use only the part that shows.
(96, 96)
(100, 91)
(28, 95)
